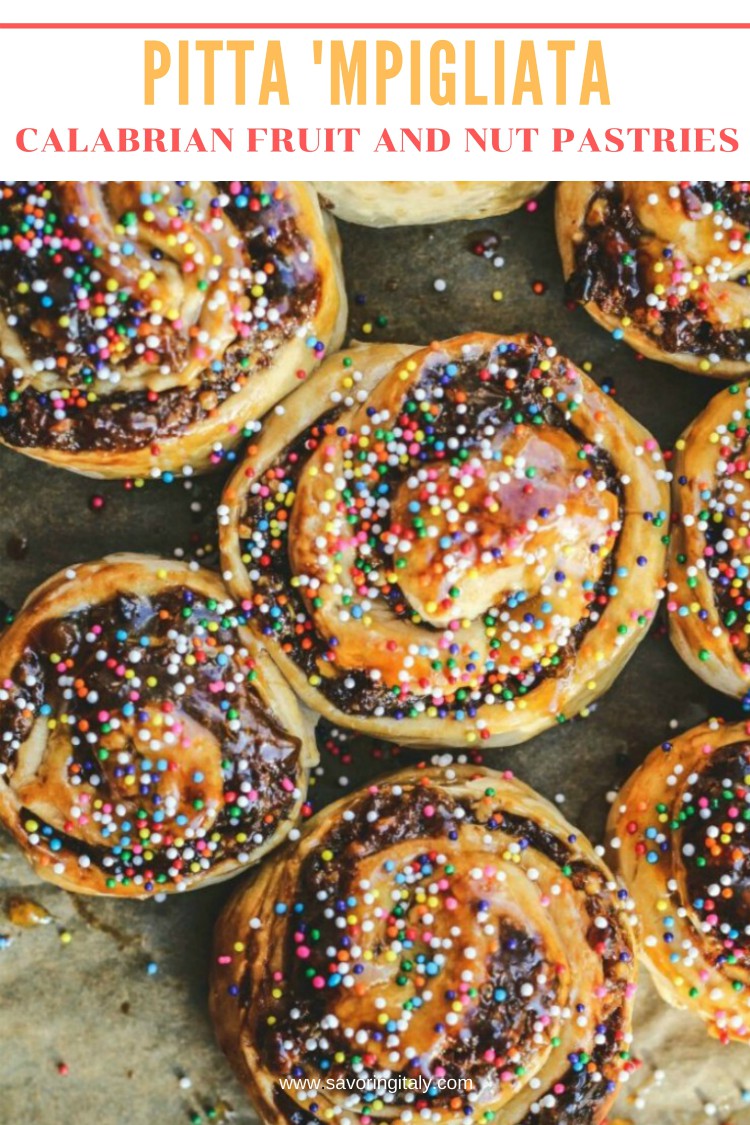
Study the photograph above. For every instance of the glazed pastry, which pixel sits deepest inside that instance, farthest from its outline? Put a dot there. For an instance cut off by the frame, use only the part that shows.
(144, 325)
(449, 544)
(678, 839)
(147, 743)
(709, 556)
(440, 925)
(663, 266)
(388, 203)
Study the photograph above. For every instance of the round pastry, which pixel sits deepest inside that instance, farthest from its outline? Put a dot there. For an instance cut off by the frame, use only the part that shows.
(663, 266)
(441, 945)
(447, 544)
(678, 838)
(144, 324)
(388, 203)
(147, 743)
(709, 556)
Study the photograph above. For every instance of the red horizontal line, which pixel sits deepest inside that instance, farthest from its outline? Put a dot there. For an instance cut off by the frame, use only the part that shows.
(374, 26)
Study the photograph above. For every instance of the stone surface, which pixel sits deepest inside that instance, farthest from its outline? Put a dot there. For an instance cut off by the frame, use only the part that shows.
(94, 1004)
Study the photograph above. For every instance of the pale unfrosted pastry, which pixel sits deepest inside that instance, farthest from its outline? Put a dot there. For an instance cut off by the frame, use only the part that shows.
(456, 543)
(387, 203)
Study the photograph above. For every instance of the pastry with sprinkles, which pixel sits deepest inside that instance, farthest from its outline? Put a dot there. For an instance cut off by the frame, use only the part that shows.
(147, 743)
(709, 556)
(456, 544)
(146, 326)
(389, 203)
(678, 839)
(663, 266)
(439, 946)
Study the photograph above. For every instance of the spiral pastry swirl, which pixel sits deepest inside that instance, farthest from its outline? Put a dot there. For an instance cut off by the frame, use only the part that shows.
(679, 840)
(468, 534)
(664, 266)
(709, 555)
(442, 926)
(388, 203)
(147, 744)
(143, 324)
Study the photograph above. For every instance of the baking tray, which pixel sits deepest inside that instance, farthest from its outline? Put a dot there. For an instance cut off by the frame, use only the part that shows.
(103, 1004)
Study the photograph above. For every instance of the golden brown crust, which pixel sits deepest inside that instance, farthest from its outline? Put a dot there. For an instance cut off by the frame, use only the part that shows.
(708, 551)
(676, 837)
(151, 658)
(221, 428)
(377, 377)
(387, 203)
(705, 267)
(532, 933)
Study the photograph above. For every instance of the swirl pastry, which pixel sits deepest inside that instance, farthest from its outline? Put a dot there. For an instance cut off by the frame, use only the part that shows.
(678, 829)
(144, 324)
(388, 203)
(709, 556)
(664, 266)
(147, 744)
(453, 543)
(444, 942)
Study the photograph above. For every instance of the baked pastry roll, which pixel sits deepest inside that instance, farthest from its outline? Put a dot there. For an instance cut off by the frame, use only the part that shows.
(147, 743)
(663, 266)
(388, 203)
(708, 604)
(443, 932)
(451, 543)
(678, 831)
(144, 324)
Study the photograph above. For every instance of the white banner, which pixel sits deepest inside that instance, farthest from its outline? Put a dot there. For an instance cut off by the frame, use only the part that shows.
(181, 90)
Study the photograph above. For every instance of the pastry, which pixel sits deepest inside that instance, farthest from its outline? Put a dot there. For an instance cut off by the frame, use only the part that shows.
(663, 266)
(709, 556)
(388, 203)
(144, 325)
(147, 743)
(455, 543)
(443, 941)
(678, 839)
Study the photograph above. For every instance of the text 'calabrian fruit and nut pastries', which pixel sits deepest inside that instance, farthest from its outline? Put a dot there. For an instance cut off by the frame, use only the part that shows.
(448, 544)
(387, 203)
(147, 743)
(709, 556)
(679, 837)
(663, 266)
(444, 942)
(143, 324)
